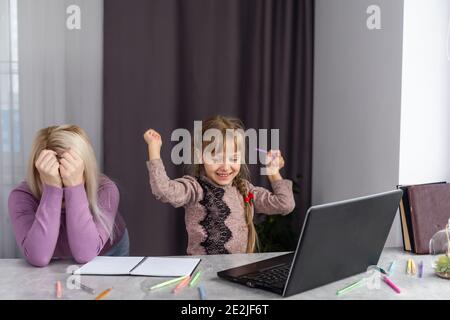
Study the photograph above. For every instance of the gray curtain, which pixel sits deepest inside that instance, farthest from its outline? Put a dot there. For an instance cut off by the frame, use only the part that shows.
(168, 63)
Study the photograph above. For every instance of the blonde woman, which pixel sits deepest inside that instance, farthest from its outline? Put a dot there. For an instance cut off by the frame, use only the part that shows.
(66, 208)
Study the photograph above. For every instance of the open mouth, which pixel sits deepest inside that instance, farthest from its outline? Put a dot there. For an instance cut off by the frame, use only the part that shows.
(223, 175)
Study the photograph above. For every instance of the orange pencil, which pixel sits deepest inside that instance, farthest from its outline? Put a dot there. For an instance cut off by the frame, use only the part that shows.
(182, 284)
(103, 294)
(58, 290)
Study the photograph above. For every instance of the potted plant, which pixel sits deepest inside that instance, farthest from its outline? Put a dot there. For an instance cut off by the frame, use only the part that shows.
(278, 233)
(440, 249)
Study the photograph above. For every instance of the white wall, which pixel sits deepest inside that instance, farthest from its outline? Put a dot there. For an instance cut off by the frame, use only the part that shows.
(356, 138)
(425, 120)
(382, 100)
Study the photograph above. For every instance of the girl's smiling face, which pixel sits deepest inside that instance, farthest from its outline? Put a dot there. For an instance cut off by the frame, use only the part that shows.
(221, 167)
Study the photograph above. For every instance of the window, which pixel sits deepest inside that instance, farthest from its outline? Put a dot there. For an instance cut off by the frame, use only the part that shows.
(9, 78)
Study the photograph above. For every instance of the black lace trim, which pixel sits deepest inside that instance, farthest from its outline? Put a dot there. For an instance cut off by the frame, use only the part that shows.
(217, 211)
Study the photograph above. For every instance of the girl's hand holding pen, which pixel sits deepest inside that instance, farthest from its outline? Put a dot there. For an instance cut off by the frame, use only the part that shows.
(154, 141)
(275, 162)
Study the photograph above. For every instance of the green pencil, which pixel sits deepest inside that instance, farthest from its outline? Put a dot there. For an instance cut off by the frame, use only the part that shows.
(350, 287)
(166, 283)
(195, 278)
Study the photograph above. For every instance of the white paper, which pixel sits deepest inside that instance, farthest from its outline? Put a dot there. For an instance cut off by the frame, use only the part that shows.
(103, 265)
(166, 267)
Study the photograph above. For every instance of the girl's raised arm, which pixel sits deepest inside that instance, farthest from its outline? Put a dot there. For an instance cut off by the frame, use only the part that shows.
(280, 201)
(178, 192)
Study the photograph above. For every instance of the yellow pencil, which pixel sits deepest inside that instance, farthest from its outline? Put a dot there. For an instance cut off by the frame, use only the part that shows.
(166, 283)
(103, 294)
(413, 267)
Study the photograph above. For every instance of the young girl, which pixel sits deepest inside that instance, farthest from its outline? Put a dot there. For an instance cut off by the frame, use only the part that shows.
(66, 208)
(219, 200)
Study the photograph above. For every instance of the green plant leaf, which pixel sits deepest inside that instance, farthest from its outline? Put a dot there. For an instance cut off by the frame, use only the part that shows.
(443, 264)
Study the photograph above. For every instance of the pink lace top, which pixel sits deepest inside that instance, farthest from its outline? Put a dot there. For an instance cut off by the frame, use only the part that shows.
(214, 214)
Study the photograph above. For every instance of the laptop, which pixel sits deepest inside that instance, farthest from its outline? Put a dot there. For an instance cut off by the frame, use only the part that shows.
(338, 240)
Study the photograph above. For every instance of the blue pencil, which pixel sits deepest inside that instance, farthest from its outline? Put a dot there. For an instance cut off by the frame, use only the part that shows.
(420, 269)
(391, 267)
(202, 293)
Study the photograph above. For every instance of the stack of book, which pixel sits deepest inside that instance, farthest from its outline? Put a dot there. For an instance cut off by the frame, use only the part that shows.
(424, 210)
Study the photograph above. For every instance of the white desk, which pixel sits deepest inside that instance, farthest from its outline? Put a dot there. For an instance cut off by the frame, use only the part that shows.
(19, 280)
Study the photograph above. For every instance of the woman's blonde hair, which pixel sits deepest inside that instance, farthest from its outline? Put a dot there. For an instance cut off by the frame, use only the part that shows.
(222, 123)
(60, 139)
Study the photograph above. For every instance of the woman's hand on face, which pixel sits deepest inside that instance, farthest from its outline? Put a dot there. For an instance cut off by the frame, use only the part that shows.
(48, 167)
(71, 169)
(154, 142)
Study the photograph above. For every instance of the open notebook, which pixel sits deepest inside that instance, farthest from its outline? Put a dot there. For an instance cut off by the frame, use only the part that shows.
(139, 266)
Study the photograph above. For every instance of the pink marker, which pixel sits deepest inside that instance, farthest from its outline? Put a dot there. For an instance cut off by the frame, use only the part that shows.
(261, 150)
(58, 289)
(182, 284)
(391, 284)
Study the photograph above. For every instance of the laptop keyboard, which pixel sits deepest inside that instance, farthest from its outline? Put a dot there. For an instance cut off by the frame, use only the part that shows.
(273, 278)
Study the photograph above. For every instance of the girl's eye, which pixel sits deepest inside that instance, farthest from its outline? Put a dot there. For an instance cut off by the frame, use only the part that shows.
(216, 159)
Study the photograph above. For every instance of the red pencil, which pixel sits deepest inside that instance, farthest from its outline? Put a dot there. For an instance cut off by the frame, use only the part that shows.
(182, 284)
(58, 290)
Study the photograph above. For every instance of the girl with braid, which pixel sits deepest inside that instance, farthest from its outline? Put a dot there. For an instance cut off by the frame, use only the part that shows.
(218, 198)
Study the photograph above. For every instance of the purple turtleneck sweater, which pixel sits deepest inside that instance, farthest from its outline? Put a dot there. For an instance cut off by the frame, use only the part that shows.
(44, 230)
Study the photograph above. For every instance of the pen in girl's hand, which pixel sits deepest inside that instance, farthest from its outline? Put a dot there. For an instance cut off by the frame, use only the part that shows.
(261, 150)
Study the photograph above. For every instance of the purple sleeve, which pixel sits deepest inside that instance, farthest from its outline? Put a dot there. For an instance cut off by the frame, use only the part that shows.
(86, 235)
(280, 201)
(36, 225)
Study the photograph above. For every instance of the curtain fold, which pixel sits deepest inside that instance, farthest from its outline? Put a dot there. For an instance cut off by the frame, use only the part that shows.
(168, 63)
